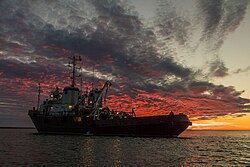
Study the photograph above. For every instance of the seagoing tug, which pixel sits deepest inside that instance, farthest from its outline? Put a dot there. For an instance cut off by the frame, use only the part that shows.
(75, 112)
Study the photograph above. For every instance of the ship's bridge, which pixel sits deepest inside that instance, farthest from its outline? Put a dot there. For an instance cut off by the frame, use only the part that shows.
(70, 95)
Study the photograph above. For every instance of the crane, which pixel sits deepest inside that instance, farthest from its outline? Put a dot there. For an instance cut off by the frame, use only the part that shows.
(96, 111)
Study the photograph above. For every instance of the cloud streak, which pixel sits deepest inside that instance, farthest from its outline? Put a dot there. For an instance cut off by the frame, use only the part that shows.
(240, 70)
(220, 19)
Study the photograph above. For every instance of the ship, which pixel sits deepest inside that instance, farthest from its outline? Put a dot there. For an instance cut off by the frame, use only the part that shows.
(73, 111)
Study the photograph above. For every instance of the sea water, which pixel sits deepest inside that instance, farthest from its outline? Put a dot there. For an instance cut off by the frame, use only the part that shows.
(24, 147)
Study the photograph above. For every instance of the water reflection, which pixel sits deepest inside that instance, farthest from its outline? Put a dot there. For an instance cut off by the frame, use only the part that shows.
(87, 151)
(128, 151)
(22, 148)
(116, 152)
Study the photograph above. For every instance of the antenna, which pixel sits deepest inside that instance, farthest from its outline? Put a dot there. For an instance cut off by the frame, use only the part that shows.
(81, 80)
(73, 63)
(38, 98)
(93, 79)
(74, 71)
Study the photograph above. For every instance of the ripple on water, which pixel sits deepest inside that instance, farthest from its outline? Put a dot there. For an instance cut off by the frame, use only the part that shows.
(23, 148)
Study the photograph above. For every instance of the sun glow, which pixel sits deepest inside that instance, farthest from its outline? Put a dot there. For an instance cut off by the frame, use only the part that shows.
(230, 122)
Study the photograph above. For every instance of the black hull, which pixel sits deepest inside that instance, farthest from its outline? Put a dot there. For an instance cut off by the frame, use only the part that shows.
(153, 126)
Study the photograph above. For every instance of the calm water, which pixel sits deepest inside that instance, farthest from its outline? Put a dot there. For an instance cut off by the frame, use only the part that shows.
(22, 147)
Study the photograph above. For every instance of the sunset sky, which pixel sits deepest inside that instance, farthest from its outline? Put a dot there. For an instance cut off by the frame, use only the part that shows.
(160, 55)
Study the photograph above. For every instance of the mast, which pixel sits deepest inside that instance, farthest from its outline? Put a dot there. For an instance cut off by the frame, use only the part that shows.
(74, 71)
(93, 78)
(38, 98)
(73, 63)
(81, 80)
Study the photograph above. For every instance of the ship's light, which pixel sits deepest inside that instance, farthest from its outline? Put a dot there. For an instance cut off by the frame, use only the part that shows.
(51, 96)
(70, 106)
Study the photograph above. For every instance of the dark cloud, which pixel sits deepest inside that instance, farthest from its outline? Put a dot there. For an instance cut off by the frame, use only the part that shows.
(221, 17)
(213, 12)
(218, 18)
(172, 26)
(218, 69)
(129, 47)
(239, 115)
(240, 70)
